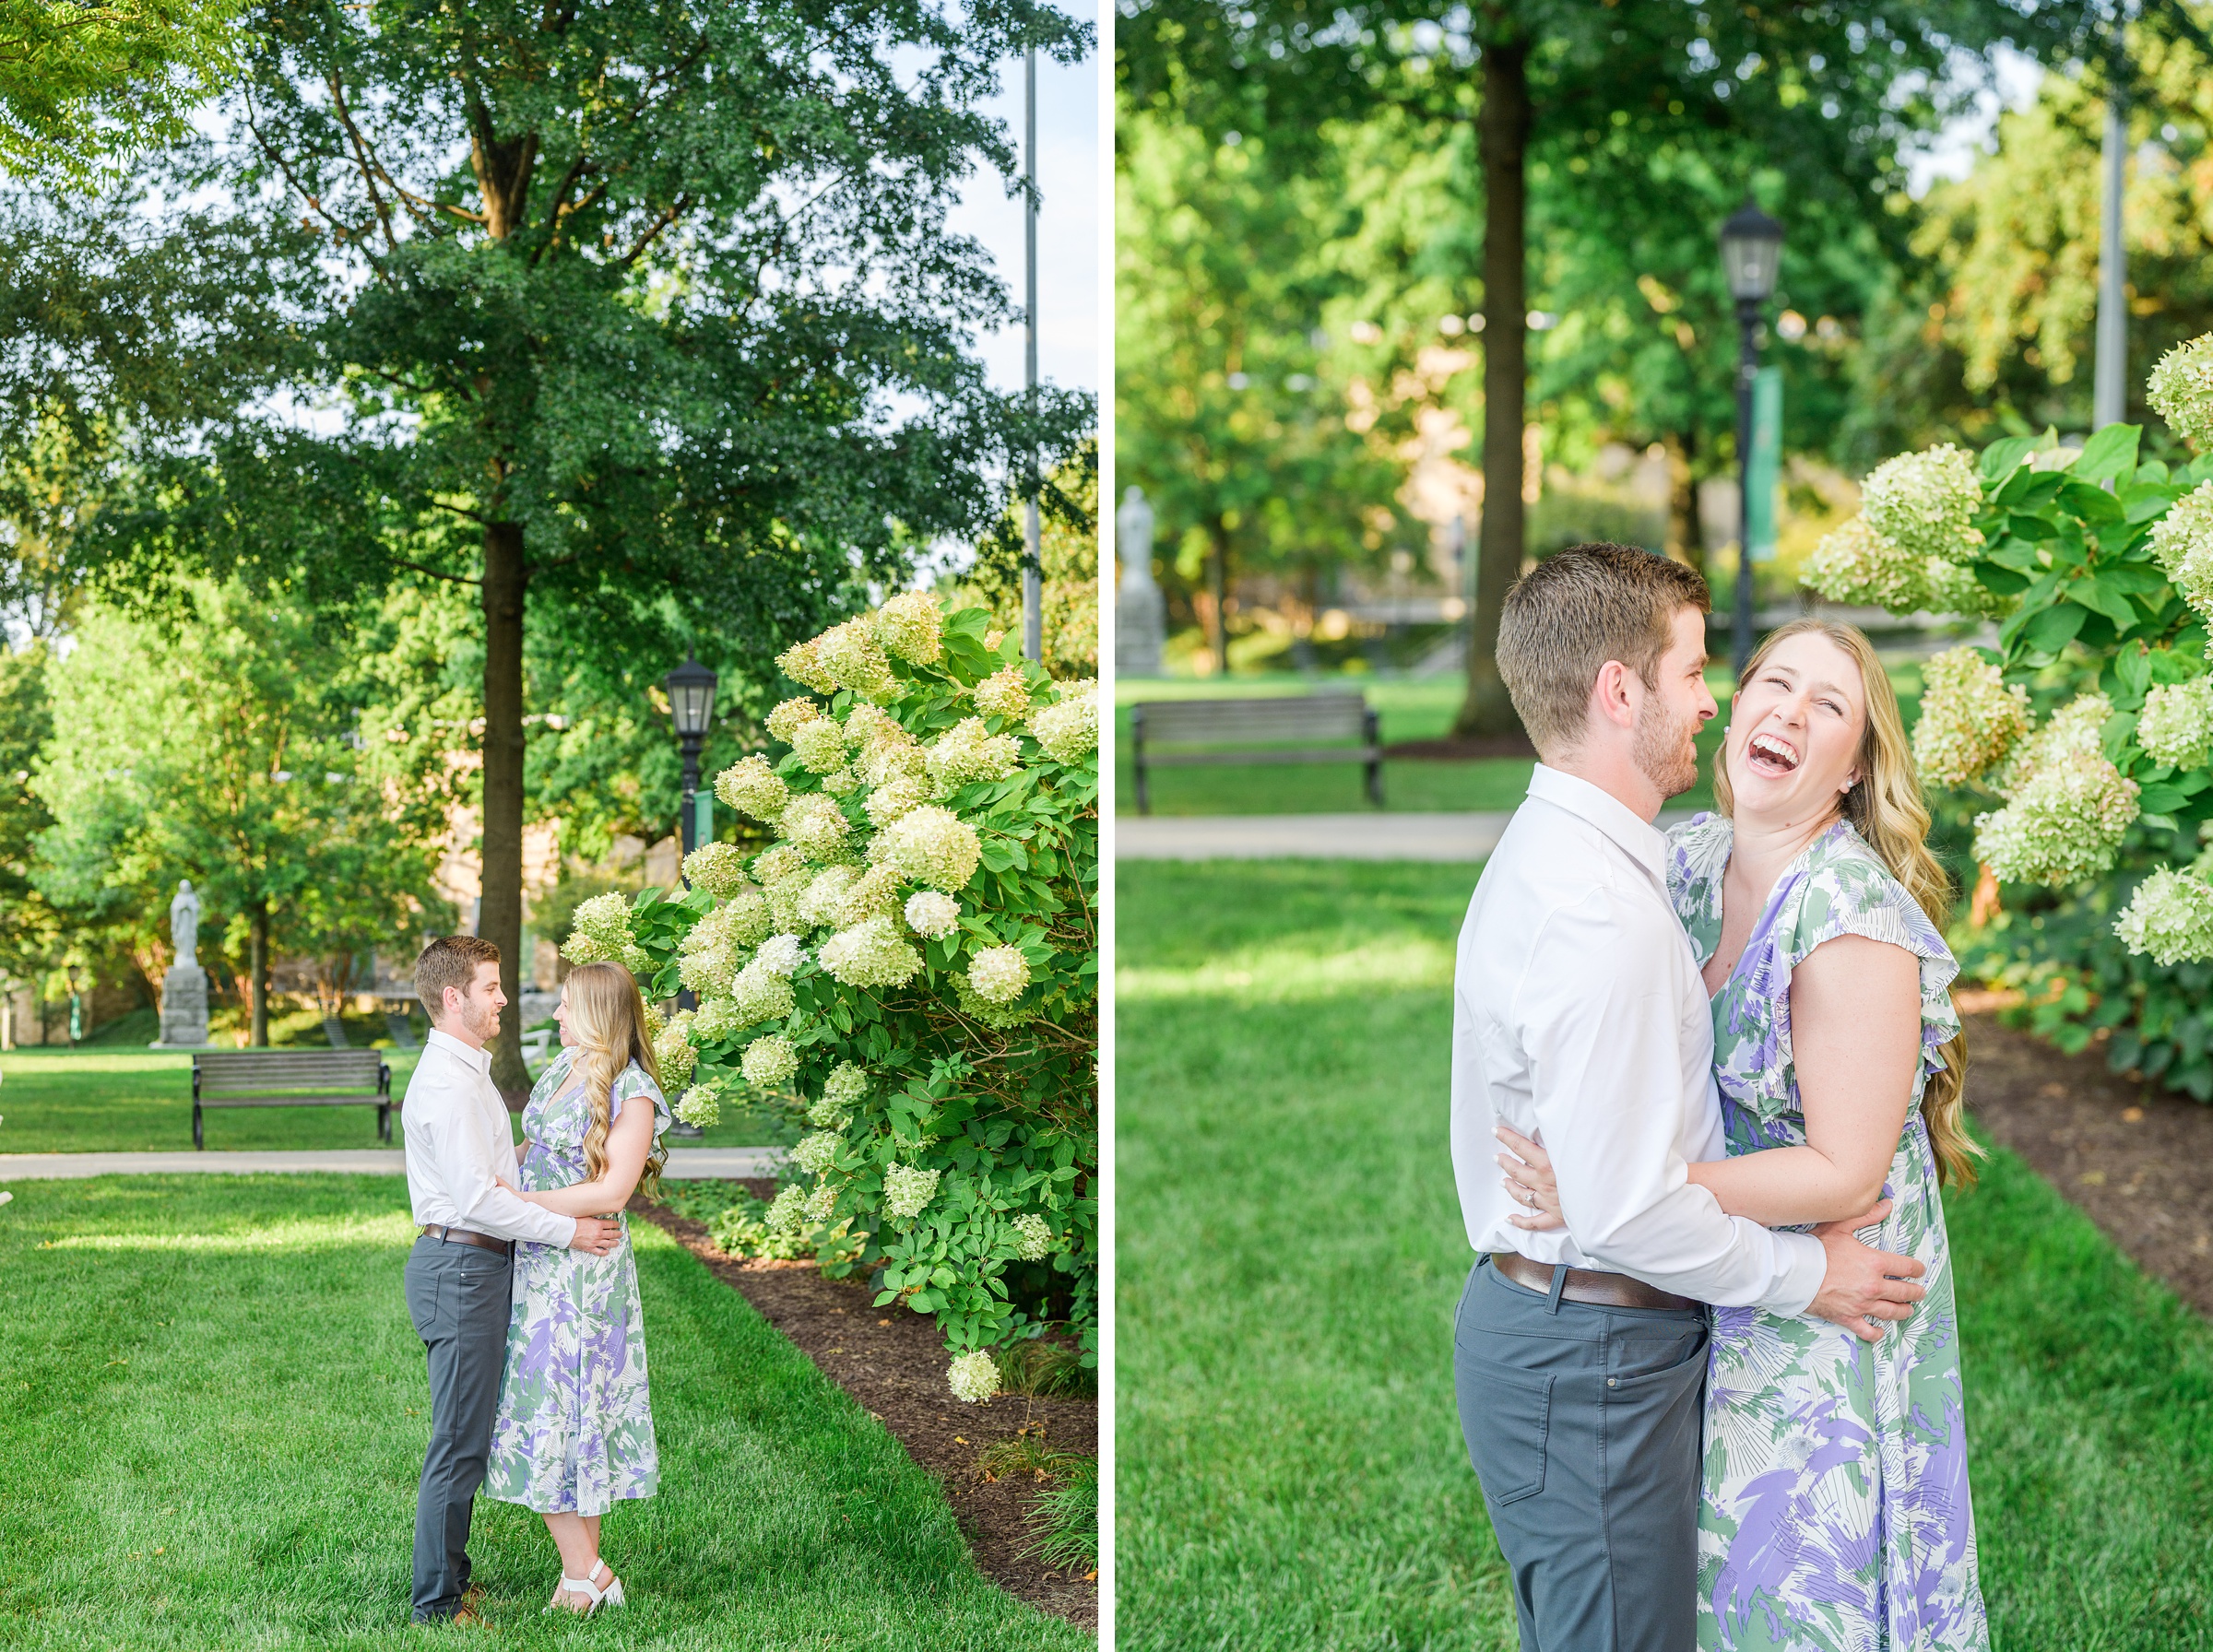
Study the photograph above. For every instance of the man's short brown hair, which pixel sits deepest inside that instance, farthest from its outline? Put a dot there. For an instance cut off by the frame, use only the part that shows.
(450, 960)
(1574, 611)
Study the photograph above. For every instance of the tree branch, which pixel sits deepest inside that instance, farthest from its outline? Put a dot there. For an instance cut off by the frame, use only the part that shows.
(418, 567)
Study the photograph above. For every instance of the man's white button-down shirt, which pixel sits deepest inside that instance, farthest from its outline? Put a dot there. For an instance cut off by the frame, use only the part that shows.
(1578, 1018)
(458, 1142)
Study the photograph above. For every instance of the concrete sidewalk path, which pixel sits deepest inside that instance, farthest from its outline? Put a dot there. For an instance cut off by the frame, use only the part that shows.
(1411, 836)
(685, 1163)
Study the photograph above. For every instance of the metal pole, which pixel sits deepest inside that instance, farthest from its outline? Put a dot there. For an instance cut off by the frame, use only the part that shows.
(687, 825)
(2109, 398)
(1747, 369)
(1033, 593)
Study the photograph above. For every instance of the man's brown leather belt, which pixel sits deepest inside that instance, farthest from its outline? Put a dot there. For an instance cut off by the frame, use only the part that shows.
(1601, 1290)
(505, 1246)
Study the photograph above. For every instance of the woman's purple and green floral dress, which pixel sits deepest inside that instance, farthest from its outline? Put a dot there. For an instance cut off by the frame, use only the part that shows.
(574, 1433)
(1836, 1516)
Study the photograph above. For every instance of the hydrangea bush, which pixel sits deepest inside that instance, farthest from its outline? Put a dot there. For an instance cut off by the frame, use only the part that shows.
(911, 967)
(2079, 745)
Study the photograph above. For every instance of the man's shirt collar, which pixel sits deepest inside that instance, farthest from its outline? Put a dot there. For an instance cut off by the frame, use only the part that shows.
(1643, 842)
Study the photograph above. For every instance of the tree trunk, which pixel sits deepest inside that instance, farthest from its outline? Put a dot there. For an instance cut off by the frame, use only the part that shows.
(1686, 526)
(259, 966)
(500, 911)
(1503, 135)
(1219, 574)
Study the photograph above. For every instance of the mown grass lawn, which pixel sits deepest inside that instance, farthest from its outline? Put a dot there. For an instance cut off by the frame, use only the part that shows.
(104, 1100)
(1290, 1251)
(216, 1410)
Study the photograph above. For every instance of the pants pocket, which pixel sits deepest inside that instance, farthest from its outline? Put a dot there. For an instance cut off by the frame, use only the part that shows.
(1506, 1417)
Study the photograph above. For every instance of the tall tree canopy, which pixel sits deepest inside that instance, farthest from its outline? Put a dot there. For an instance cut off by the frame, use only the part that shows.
(84, 83)
(639, 319)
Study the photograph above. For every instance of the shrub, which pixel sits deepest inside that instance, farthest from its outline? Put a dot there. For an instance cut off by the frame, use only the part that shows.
(913, 968)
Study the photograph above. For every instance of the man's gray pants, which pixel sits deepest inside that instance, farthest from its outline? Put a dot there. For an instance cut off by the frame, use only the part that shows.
(1583, 1425)
(458, 1297)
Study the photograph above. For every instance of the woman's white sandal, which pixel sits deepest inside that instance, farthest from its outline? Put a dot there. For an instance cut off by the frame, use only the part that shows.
(609, 1596)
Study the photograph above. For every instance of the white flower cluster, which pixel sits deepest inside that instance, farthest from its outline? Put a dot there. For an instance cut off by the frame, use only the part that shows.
(753, 789)
(781, 955)
(2077, 727)
(699, 1108)
(999, 974)
(851, 657)
(787, 718)
(978, 1008)
(912, 626)
(719, 868)
(672, 1051)
(2175, 726)
(967, 752)
(935, 847)
(786, 1210)
(760, 995)
(817, 826)
(1034, 1240)
(1857, 564)
(1925, 502)
(2183, 540)
(841, 1093)
(600, 933)
(714, 1021)
(895, 798)
(1969, 718)
(2063, 824)
(769, 1062)
(973, 1377)
(870, 954)
(906, 1190)
(2180, 387)
(816, 1154)
(1004, 694)
(931, 914)
(2171, 917)
(1069, 728)
(821, 745)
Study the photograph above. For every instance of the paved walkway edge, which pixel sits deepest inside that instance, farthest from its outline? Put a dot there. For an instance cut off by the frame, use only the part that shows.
(685, 1163)
(1463, 837)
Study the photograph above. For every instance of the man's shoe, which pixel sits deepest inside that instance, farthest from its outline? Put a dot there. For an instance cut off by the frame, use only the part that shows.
(472, 1597)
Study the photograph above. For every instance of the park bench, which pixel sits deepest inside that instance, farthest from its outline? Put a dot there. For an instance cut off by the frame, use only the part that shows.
(1296, 728)
(291, 1079)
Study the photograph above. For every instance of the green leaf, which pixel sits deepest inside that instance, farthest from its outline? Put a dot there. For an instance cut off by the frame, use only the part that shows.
(2109, 454)
(2160, 799)
(2001, 457)
(2054, 628)
(2090, 502)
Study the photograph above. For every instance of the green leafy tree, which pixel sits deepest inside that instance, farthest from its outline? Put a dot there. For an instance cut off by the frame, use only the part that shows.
(214, 744)
(31, 931)
(640, 323)
(85, 85)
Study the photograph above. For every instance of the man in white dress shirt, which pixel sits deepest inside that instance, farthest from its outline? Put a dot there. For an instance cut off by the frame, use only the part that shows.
(1580, 1019)
(459, 1147)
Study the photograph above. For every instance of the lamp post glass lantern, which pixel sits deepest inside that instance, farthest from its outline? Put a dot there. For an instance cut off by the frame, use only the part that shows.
(691, 689)
(1751, 258)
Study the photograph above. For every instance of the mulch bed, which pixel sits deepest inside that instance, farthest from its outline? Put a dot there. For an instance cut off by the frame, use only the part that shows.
(1464, 750)
(894, 1364)
(2136, 1159)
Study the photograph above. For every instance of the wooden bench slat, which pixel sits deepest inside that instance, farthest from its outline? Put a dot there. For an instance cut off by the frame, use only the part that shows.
(1198, 759)
(346, 1078)
(292, 1101)
(1293, 728)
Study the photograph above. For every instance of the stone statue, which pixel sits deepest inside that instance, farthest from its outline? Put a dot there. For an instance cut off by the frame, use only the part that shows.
(184, 988)
(1140, 613)
(184, 924)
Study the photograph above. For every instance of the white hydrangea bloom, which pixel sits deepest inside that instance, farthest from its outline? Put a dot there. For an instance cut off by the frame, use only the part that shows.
(786, 1210)
(1969, 718)
(769, 1061)
(1069, 728)
(853, 659)
(825, 893)
(822, 1204)
(999, 974)
(817, 826)
(912, 626)
(821, 745)
(699, 1107)
(1855, 564)
(2176, 725)
(886, 762)
(934, 845)
(760, 995)
(896, 796)
(846, 1084)
(973, 1377)
(802, 662)
(708, 970)
(601, 930)
(719, 868)
(780, 863)
(870, 954)
(825, 1115)
(753, 789)
(672, 1051)
(790, 717)
(841, 783)
(906, 1190)
(1035, 1241)
(2077, 727)
(2063, 825)
(2183, 540)
(780, 955)
(967, 752)
(714, 1021)
(931, 914)
(2180, 387)
(746, 916)
(1953, 589)
(1927, 503)
(1004, 694)
(2171, 917)
(816, 1154)
(869, 725)
(874, 894)
(978, 1007)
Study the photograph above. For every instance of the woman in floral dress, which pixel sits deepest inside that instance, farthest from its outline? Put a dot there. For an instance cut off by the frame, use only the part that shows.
(1835, 1516)
(575, 1432)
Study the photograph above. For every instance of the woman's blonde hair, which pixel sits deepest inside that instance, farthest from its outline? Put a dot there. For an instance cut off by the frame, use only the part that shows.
(1885, 809)
(607, 1019)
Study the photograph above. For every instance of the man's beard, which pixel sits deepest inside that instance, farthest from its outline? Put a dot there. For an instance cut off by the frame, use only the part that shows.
(483, 1021)
(1665, 750)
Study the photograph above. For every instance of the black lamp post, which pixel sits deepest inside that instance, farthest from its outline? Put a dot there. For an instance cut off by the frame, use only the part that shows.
(1751, 253)
(692, 701)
